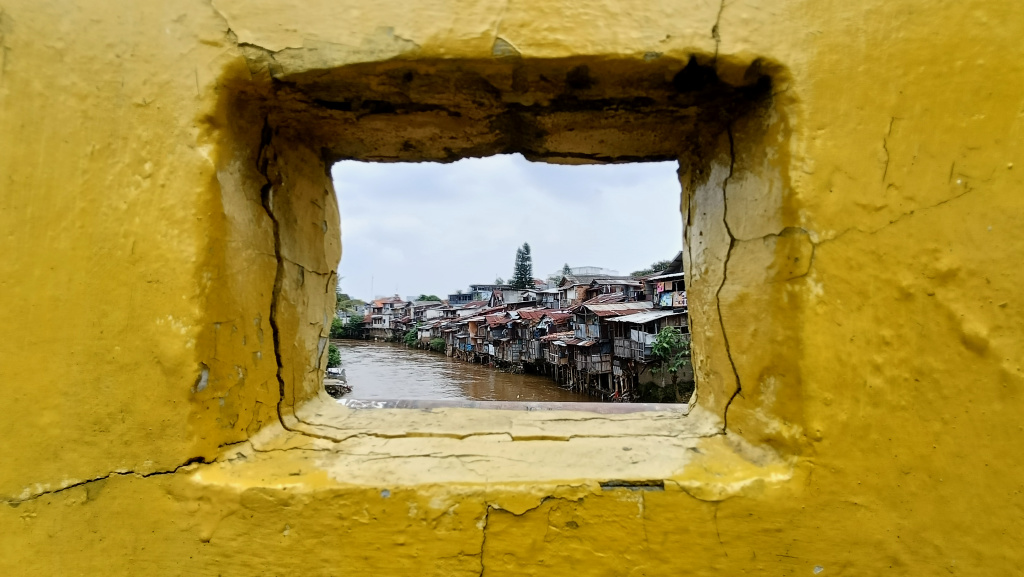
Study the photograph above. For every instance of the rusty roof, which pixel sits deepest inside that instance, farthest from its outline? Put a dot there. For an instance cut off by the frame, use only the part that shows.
(607, 298)
(617, 309)
(388, 300)
(536, 314)
(498, 319)
(557, 336)
(558, 317)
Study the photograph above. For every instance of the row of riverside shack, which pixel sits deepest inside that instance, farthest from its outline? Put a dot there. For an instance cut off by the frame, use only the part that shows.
(590, 333)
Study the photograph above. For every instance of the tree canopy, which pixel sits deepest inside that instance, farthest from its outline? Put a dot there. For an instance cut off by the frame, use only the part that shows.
(522, 276)
(428, 298)
(655, 267)
(343, 302)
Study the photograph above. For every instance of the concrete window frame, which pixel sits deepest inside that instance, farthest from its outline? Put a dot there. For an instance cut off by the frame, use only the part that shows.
(278, 133)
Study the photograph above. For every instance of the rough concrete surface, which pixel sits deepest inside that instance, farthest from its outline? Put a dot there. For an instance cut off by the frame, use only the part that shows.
(849, 191)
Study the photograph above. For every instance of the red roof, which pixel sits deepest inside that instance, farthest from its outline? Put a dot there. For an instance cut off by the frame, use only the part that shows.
(605, 298)
(533, 314)
(388, 300)
(498, 319)
(558, 317)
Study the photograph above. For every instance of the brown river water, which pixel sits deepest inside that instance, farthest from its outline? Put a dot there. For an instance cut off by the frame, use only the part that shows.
(393, 371)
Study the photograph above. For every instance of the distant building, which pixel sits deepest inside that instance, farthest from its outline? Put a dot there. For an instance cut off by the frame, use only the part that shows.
(667, 288)
(482, 292)
(593, 271)
(384, 313)
(573, 289)
(456, 299)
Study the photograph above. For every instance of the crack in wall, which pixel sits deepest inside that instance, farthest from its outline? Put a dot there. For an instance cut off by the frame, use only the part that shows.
(894, 221)
(885, 147)
(461, 436)
(264, 162)
(193, 461)
(715, 32)
(267, 201)
(725, 275)
(483, 540)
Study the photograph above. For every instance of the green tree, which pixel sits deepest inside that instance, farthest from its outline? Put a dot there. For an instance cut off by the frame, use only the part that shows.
(499, 280)
(343, 302)
(337, 328)
(333, 357)
(346, 330)
(410, 337)
(522, 276)
(354, 328)
(566, 269)
(428, 298)
(437, 345)
(670, 351)
(655, 267)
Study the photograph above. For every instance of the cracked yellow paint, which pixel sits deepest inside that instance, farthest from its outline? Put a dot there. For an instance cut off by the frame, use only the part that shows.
(850, 178)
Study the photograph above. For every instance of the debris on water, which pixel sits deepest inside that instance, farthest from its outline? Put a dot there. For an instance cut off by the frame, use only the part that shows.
(336, 388)
(336, 383)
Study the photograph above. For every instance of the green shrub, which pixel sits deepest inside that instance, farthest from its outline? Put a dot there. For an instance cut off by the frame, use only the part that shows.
(437, 345)
(669, 353)
(333, 357)
(671, 350)
(337, 328)
(410, 337)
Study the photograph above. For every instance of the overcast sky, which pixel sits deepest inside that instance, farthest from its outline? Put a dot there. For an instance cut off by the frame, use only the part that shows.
(434, 228)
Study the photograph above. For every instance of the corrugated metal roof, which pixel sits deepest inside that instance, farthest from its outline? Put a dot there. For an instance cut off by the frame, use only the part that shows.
(556, 336)
(644, 317)
(536, 314)
(615, 282)
(607, 298)
(586, 343)
(666, 276)
(578, 279)
(617, 309)
(558, 316)
(498, 319)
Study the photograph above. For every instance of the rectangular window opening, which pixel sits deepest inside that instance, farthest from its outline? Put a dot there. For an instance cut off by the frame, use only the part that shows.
(417, 150)
(503, 283)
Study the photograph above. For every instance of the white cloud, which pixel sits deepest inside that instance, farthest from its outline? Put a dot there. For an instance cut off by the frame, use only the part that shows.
(435, 228)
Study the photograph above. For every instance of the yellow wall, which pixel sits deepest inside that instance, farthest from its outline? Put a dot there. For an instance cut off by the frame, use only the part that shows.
(852, 249)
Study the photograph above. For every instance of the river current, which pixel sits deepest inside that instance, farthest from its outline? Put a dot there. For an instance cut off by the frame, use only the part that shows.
(393, 371)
